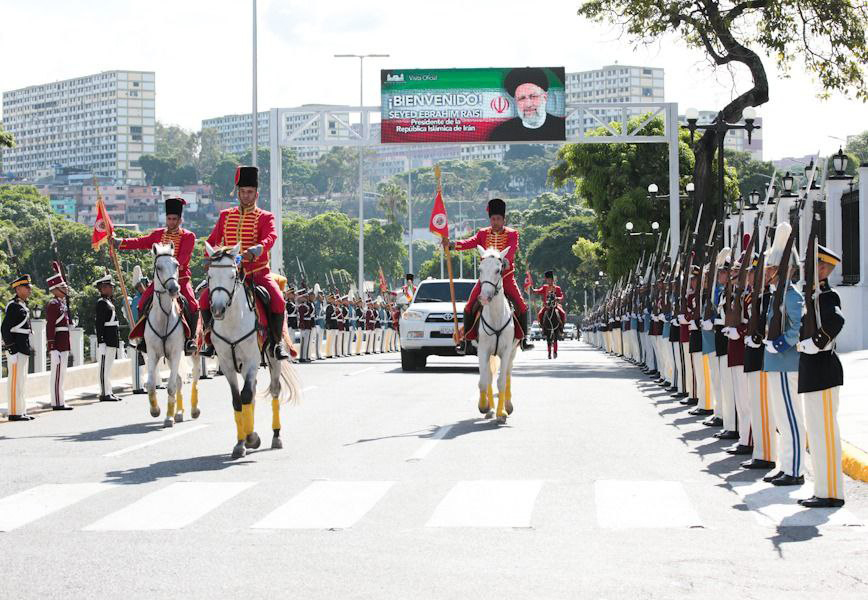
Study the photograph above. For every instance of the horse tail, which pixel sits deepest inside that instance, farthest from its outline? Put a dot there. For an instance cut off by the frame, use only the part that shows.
(290, 384)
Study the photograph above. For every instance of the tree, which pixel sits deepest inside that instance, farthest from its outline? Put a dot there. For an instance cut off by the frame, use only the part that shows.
(7, 140)
(752, 174)
(858, 145)
(392, 200)
(337, 171)
(827, 36)
(523, 151)
(547, 251)
(175, 143)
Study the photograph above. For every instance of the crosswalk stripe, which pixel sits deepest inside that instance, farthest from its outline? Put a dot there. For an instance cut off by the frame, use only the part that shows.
(37, 502)
(487, 504)
(327, 505)
(429, 444)
(777, 506)
(172, 507)
(643, 504)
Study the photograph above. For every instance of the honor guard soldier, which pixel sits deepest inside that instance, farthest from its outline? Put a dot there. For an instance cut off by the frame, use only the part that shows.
(341, 317)
(331, 326)
(305, 324)
(254, 230)
(820, 379)
(16, 341)
(318, 301)
(57, 327)
(370, 327)
(107, 337)
(183, 241)
(499, 237)
(291, 313)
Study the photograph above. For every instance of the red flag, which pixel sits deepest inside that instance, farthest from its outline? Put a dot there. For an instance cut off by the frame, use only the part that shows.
(528, 280)
(103, 228)
(439, 223)
(383, 286)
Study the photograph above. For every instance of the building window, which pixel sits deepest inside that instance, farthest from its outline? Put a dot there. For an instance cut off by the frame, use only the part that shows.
(647, 92)
(646, 72)
(136, 133)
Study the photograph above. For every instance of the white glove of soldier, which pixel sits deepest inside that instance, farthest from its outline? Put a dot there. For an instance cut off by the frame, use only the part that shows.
(807, 346)
(682, 320)
(770, 346)
(732, 333)
(707, 324)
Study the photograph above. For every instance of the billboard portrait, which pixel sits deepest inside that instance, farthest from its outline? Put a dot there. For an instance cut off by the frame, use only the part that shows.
(473, 105)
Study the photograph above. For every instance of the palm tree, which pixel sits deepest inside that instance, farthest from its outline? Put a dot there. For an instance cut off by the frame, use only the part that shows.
(392, 200)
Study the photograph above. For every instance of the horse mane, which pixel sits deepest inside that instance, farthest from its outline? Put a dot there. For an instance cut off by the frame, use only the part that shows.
(162, 249)
(221, 252)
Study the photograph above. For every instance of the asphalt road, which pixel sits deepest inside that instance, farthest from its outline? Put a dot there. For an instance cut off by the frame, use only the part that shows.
(390, 485)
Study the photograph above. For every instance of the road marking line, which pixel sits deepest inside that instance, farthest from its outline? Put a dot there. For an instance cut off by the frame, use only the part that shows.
(429, 444)
(487, 504)
(327, 505)
(172, 507)
(643, 504)
(777, 506)
(359, 372)
(37, 502)
(158, 440)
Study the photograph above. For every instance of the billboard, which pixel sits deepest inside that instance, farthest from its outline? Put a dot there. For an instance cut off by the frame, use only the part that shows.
(473, 105)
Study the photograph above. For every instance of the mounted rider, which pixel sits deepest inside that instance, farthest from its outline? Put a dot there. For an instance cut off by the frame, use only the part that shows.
(549, 287)
(183, 242)
(254, 229)
(499, 237)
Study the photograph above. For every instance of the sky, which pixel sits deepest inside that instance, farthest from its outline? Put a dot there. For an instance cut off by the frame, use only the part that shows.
(201, 53)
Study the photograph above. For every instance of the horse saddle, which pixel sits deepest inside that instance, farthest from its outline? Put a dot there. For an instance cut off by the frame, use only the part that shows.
(259, 298)
(474, 317)
(138, 330)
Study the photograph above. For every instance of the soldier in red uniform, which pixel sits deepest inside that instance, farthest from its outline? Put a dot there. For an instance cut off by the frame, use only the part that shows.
(254, 229)
(544, 290)
(499, 237)
(183, 241)
(57, 327)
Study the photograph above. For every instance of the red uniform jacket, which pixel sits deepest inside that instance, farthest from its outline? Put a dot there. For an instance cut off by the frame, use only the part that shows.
(57, 325)
(370, 319)
(305, 315)
(184, 242)
(485, 238)
(252, 228)
(544, 290)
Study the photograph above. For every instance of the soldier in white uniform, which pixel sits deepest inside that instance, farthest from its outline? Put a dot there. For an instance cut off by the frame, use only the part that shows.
(16, 342)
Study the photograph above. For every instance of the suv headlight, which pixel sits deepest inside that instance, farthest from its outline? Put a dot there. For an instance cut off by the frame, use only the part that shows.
(413, 315)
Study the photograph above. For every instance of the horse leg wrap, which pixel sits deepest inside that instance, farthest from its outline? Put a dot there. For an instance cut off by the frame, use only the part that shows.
(194, 395)
(152, 399)
(483, 402)
(170, 411)
(239, 426)
(490, 396)
(179, 399)
(275, 414)
(247, 417)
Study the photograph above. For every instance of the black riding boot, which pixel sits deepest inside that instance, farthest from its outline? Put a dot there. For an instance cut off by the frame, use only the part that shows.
(275, 326)
(525, 341)
(207, 322)
(192, 322)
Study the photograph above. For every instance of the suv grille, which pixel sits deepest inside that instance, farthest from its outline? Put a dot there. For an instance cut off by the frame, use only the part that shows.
(443, 318)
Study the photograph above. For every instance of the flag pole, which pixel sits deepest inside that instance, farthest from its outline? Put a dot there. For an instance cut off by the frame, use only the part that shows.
(115, 260)
(449, 268)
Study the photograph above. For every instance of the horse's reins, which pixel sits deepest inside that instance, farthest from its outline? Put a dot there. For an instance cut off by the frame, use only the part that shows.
(491, 330)
(168, 313)
(231, 295)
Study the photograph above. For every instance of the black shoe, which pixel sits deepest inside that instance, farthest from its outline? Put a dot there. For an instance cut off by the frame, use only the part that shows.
(713, 422)
(773, 476)
(756, 463)
(207, 350)
(690, 401)
(140, 391)
(64, 407)
(680, 395)
(141, 347)
(109, 398)
(207, 321)
(726, 435)
(739, 450)
(815, 502)
(700, 412)
(21, 417)
(526, 345)
(788, 480)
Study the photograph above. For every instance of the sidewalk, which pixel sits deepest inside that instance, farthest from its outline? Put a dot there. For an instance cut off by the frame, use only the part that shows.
(853, 414)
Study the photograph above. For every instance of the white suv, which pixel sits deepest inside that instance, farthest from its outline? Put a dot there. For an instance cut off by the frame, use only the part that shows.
(426, 325)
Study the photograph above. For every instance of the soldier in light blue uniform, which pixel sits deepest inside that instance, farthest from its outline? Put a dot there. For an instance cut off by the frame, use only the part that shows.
(781, 362)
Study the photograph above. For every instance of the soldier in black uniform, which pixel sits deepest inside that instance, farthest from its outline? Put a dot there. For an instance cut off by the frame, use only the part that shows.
(820, 379)
(16, 342)
(305, 324)
(107, 337)
(291, 313)
(331, 325)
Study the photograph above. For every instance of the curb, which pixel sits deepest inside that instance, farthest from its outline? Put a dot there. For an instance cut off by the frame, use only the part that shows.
(854, 461)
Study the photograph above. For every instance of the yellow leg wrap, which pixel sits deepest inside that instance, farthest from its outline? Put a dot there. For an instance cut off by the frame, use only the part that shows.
(490, 397)
(152, 399)
(483, 401)
(247, 417)
(170, 411)
(194, 396)
(239, 425)
(275, 413)
(179, 399)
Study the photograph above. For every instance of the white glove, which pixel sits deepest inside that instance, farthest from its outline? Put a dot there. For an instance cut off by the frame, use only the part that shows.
(692, 326)
(807, 346)
(100, 349)
(682, 320)
(718, 321)
(770, 347)
(748, 341)
(707, 325)
(733, 333)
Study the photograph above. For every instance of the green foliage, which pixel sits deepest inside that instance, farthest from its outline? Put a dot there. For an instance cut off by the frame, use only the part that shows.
(752, 174)
(7, 140)
(548, 251)
(392, 200)
(858, 146)
(827, 37)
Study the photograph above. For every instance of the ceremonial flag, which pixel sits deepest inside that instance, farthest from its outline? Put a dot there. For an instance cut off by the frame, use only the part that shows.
(103, 228)
(528, 280)
(383, 286)
(439, 224)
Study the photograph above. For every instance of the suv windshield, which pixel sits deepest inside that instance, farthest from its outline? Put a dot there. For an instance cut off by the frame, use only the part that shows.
(439, 292)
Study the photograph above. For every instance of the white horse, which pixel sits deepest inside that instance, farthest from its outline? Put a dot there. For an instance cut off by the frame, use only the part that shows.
(164, 337)
(235, 336)
(496, 345)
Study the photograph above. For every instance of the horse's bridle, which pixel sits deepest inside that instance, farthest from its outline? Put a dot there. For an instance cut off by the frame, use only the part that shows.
(169, 331)
(232, 345)
(156, 272)
(230, 293)
(497, 286)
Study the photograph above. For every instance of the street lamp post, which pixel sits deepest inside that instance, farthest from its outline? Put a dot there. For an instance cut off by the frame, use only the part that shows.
(362, 125)
(721, 128)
